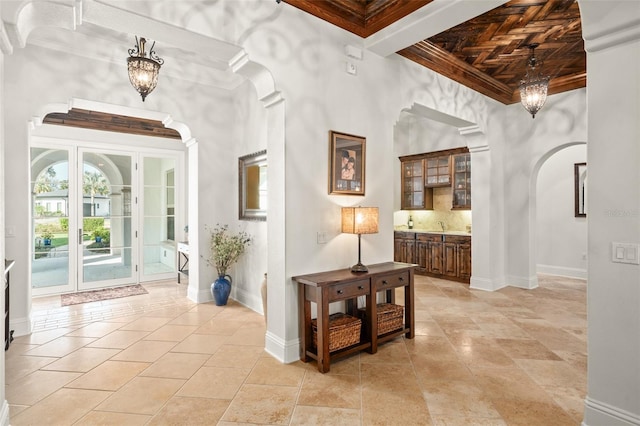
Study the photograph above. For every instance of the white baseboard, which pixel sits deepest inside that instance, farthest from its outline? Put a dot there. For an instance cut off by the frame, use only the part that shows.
(199, 295)
(598, 413)
(523, 282)
(283, 351)
(248, 299)
(20, 326)
(562, 271)
(486, 284)
(4, 413)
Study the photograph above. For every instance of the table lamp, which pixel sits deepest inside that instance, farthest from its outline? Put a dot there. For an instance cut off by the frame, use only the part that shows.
(359, 220)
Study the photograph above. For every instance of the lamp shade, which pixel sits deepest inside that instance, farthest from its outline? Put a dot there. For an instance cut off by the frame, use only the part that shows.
(360, 220)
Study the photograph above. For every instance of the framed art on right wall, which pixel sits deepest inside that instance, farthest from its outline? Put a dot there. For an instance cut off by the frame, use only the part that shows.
(580, 178)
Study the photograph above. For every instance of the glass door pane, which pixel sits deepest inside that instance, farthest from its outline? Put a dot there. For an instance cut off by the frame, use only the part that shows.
(107, 221)
(159, 213)
(50, 260)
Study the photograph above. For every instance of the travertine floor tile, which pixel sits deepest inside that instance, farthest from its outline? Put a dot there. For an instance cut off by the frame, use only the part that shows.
(142, 395)
(510, 357)
(106, 418)
(220, 326)
(172, 332)
(200, 344)
(269, 371)
(82, 360)
(146, 323)
(37, 385)
(260, 404)
(553, 373)
(176, 365)
(24, 365)
(190, 411)
(235, 356)
(119, 339)
(96, 329)
(527, 412)
(248, 337)
(325, 416)
(110, 376)
(145, 351)
(43, 337)
(193, 318)
(60, 347)
(394, 351)
(65, 406)
(458, 399)
(214, 382)
(330, 390)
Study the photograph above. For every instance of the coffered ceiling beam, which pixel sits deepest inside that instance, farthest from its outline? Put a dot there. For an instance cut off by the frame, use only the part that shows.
(432, 19)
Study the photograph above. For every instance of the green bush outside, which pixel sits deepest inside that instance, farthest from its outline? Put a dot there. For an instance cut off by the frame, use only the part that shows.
(103, 233)
(90, 224)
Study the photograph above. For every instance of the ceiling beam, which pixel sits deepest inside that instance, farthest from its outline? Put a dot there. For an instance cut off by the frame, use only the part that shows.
(432, 19)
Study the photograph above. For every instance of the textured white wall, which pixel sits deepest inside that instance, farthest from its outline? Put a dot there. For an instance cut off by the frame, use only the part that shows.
(306, 58)
(561, 237)
(612, 40)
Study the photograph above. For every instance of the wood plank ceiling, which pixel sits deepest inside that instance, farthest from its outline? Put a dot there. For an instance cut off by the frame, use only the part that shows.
(488, 53)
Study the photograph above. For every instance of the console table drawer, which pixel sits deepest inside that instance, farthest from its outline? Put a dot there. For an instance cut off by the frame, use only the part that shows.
(391, 280)
(348, 290)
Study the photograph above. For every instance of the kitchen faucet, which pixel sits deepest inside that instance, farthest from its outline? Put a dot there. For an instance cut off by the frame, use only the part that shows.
(441, 223)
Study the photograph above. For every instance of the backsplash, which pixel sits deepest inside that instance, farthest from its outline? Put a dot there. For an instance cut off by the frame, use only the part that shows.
(454, 220)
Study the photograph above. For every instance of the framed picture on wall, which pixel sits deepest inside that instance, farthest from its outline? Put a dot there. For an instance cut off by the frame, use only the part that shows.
(580, 191)
(346, 163)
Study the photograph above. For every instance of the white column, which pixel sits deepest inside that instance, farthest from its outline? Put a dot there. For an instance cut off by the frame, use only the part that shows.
(486, 240)
(612, 40)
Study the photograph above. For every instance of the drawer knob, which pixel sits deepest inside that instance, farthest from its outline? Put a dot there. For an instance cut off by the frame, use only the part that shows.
(384, 282)
(401, 279)
(340, 291)
(360, 287)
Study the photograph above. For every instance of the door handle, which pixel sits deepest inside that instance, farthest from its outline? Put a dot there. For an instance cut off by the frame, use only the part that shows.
(79, 236)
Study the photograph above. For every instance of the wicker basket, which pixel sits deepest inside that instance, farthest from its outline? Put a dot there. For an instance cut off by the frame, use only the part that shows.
(344, 331)
(390, 317)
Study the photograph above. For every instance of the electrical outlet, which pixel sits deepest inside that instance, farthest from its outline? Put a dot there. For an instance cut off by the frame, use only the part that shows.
(351, 68)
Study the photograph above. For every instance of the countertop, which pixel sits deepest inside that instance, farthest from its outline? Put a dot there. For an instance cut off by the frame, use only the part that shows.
(425, 231)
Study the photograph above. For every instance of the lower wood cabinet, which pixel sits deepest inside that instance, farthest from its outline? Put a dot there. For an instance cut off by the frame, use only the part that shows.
(440, 255)
(404, 247)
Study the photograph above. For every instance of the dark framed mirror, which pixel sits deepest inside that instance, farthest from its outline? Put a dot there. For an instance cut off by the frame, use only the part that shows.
(252, 172)
(580, 178)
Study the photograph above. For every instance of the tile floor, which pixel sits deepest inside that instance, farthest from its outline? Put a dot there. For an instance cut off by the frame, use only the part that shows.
(511, 357)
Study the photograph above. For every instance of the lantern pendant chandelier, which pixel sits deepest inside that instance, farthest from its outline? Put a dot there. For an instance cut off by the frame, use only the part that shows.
(143, 70)
(533, 88)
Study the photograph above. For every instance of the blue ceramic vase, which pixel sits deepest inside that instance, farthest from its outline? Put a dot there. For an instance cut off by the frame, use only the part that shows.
(221, 289)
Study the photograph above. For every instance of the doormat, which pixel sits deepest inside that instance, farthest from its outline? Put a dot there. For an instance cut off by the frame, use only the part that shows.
(102, 294)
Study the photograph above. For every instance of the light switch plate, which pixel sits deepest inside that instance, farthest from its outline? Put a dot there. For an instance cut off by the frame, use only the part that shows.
(625, 253)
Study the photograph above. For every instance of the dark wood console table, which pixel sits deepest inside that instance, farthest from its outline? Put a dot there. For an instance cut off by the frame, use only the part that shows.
(343, 285)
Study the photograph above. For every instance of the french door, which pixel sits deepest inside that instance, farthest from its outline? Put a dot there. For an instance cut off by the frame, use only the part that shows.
(101, 218)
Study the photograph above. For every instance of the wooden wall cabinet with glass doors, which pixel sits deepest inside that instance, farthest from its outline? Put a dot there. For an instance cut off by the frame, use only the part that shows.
(438, 171)
(461, 181)
(414, 194)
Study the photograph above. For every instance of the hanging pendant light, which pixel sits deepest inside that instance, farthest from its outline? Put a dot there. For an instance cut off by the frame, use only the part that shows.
(533, 88)
(143, 71)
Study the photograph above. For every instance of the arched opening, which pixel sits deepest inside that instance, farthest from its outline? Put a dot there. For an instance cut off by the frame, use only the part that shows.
(552, 185)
